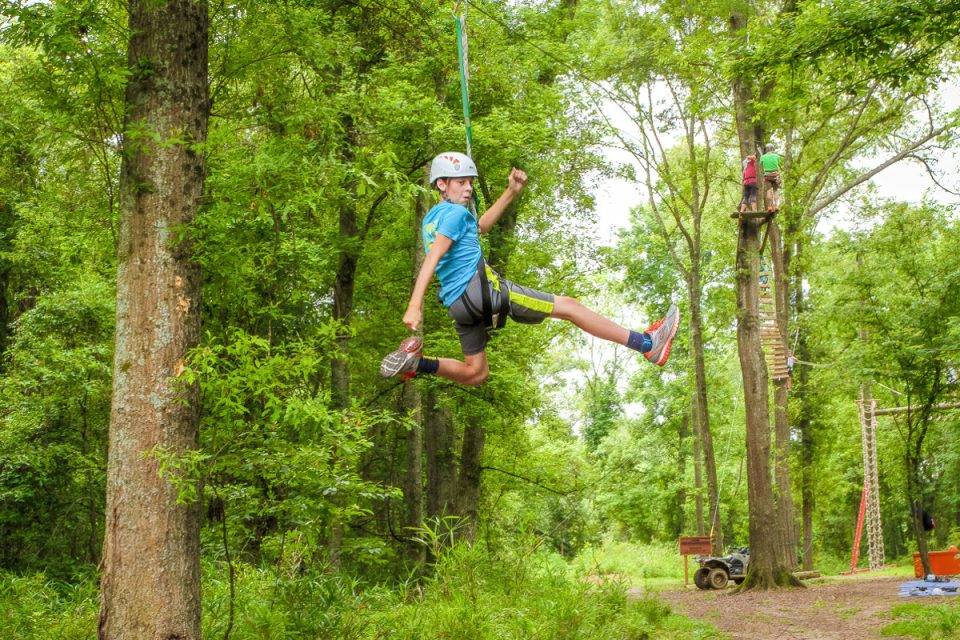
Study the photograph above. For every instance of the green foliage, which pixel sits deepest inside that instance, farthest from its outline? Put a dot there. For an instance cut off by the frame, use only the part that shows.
(924, 622)
(471, 594)
(636, 564)
(37, 608)
(479, 595)
(55, 400)
(281, 465)
(603, 408)
(896, 41)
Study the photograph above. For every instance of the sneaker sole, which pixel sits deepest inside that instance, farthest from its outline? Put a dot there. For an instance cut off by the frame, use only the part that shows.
(661, 355)
(394, 362)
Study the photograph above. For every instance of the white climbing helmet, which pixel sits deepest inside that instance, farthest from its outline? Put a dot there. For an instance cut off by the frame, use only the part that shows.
(452, 164)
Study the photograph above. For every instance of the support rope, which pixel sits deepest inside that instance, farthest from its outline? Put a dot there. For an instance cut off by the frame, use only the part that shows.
(463, 61)
(462, 57)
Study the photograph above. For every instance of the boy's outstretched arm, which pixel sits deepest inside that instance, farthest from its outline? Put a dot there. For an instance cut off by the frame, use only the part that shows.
(516, 181)
(413, 317)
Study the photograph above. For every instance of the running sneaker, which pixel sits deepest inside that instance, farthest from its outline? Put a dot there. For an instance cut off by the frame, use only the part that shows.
(661, 334)
(404, 360)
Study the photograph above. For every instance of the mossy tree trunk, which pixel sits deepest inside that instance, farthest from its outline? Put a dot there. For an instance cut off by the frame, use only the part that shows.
(151, 552)
(468, 482)
(439, 440)
(766, 569)
(780, 257)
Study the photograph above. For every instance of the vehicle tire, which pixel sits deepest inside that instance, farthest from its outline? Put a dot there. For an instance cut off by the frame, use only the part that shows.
(738, 580)
(717, 578)
(700, 578)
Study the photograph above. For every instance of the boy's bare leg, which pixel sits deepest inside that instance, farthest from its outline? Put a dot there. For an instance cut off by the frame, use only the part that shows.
(566, 308)
(472, 371)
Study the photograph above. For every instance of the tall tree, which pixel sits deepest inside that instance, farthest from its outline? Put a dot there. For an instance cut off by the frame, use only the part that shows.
(666, 97)
(151, 552)
(768, 567)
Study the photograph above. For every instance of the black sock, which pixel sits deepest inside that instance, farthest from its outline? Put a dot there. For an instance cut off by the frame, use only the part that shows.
(428, 365)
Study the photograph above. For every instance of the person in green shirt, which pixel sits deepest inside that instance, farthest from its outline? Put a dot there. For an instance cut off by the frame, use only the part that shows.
(772, 163)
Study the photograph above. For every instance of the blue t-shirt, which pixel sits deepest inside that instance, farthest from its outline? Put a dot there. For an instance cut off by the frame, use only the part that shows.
(459, 263)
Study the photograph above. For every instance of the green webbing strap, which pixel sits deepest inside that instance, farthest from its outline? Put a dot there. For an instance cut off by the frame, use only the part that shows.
(461, 22)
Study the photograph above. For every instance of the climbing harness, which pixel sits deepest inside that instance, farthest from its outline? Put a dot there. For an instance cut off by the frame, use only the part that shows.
(492, 320)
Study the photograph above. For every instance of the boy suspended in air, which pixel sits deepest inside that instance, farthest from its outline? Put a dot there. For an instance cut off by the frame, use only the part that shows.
(477, 298)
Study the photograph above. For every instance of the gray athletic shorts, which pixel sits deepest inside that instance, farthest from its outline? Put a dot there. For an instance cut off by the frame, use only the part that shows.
(527, 306)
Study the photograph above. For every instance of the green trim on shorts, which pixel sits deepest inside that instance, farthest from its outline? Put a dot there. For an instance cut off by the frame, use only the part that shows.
(534, 304)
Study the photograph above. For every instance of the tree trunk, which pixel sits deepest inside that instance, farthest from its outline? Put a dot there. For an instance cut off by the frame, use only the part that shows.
(343, 288)
(345, 279)
(413, 476)
(700, 399)
(151, 553)
(915, 434)
(697, 468)
(441, 462)
(916, 511)
(785, 526)
(413, 405)
(683, 433)
(468, 485)
(766, 570)
(808, 486)
(804, 403)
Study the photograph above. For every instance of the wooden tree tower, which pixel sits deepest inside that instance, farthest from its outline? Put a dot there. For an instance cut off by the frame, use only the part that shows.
(774, 348)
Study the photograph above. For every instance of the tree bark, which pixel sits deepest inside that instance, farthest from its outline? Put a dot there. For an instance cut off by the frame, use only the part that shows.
(345, 279)
(700, 396)
(441, 462)
(801, 391)
(697, 466)
(151, 553)
(781, 419)
(683, 433)
(413, 475)
(468, 485)
(765, 571)
(766, 568)
(413, 404)
(343, 288)
(917, 423)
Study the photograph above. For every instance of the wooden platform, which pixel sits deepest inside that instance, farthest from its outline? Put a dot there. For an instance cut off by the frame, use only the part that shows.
(752, 215)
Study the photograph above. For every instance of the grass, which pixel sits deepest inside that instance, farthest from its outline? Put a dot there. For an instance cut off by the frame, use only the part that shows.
(37, 608)
(469, 593)
(651, 566)
(925, 622)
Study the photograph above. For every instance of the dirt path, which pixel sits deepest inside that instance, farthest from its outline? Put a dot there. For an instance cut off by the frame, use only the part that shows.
(850, 610)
